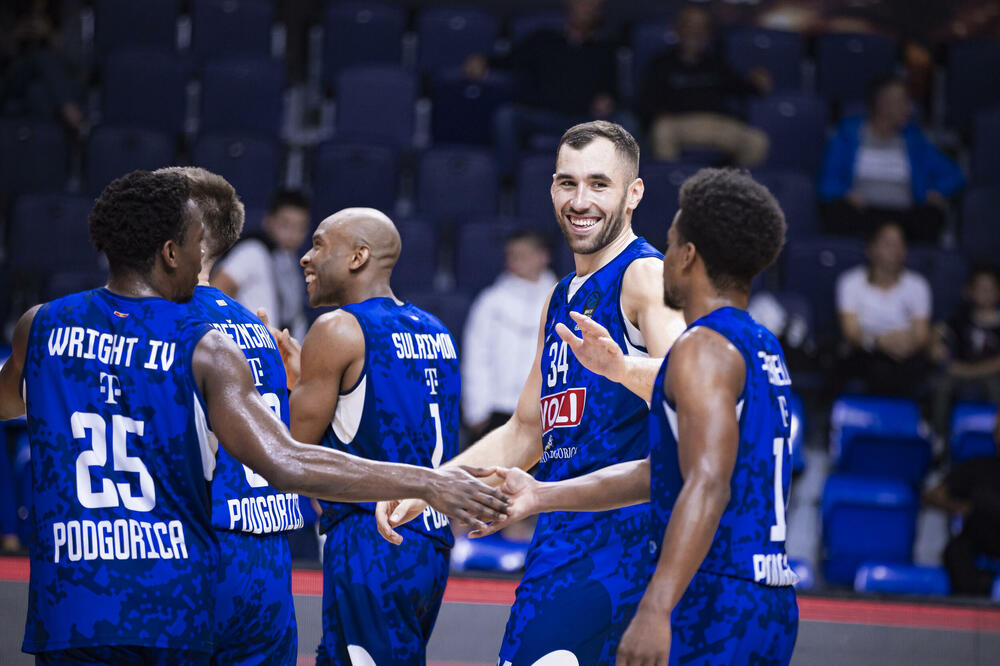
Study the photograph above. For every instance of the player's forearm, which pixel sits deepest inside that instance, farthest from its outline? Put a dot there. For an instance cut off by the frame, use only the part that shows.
(639, 375)
(510, 445)
(613, 487)
(689, 534)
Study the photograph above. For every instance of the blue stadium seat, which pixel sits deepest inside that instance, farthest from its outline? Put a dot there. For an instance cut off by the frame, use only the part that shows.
(479, 253)
(145, 89)
(456, 183)
(802, 569)
(896, 578)
(778, 51)
(659, 204)
(986, 147)
(811, 266)
(226, 28)
(462, 110)
(451, 308)
(649, 39)
(251, 164)
(533, 197)
(855, 414)
(347, 174)
(944, 269)
(525, 25)
(846, 63)
(796, 126)
(126, 24)
(417, 263)
(980, 240)
(242, 95)
(36, 220)
(972, 425)
(971, 82)
(879, 436)
(798, 432)
(34, 156)
(490, 553)
(376, 103)
(114, 151)
(865, 519)
(796, 193)
(448, 36)
(995, 596)
(361, 33)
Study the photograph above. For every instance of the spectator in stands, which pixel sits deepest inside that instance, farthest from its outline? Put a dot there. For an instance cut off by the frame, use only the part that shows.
(560, 78)
(262, 270)
(881, 166)
(500, 333)
(685, 95)
(884, 311)
(40, 82)
(972, 490)
(968, 345)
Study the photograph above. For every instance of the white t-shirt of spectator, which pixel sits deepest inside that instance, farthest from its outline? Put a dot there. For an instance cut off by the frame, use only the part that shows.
(501, 336)
(882, 310)
(249, 265)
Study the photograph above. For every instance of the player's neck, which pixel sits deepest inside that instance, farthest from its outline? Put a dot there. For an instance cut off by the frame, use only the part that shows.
(376, 289)
(133, 285)
(204, 278)
(706, 299)
(587, 264)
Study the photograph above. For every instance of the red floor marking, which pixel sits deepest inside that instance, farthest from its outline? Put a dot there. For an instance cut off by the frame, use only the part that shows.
(811, 609)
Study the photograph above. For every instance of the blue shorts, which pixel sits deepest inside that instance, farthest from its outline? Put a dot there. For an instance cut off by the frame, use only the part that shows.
(378, 598)
(724, 620)
(125, 655)
(254, 608)
(576, 598)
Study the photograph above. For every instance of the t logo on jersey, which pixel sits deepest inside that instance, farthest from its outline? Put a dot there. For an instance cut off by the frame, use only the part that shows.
(111, 387)
(563, 409)
(431, 379)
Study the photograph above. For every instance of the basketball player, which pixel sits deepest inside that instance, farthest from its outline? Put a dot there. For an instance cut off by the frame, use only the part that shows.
(123, 554)
(584, 572)
(254, 609)
(719, 428)
(379, 378)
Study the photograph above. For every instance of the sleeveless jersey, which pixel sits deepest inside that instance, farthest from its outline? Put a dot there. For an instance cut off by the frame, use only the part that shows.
(242, 500)
(404, 406)
(588, 421)
(122, 549)
(750, 540)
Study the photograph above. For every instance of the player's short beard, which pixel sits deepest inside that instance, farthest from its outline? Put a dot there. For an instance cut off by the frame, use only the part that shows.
(612, 227)
(671, 300)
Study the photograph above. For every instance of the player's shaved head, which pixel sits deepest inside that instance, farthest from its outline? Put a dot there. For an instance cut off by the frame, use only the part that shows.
(367, 227)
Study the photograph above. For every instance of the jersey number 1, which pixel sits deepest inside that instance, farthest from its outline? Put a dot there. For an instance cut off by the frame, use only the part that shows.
(778, 529)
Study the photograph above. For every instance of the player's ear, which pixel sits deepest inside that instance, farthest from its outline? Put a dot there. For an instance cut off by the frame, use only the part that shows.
(169, 252)
(635, 192)
(361, 255)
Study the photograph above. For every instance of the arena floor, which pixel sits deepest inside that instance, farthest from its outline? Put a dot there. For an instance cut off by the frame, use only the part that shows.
(834, 630)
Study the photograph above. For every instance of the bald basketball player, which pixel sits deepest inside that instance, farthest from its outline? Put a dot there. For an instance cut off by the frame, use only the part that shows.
(379, 378)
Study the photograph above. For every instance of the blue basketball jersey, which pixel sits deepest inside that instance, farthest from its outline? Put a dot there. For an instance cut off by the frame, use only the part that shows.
(242, 500)
(750, 540)
(404, 406)
(122, 547)
(588, 421)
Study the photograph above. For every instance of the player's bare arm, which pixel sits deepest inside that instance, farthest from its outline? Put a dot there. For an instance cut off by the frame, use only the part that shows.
(251, 432)
(11, 401)
(642, 303)
(704, 380)
(517, 443)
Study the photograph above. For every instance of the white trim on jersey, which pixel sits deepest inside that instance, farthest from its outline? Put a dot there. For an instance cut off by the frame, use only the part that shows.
(672, 416)
(633, 336)
(208, 444)
(350, 409)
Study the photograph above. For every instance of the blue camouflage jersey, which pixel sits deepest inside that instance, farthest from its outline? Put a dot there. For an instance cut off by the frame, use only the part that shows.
(404, 406)
(242, 500)
(750, 541)
(122, 548)
(584, 572)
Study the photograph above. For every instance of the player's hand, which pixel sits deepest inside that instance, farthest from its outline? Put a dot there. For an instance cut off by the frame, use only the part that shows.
(647, 640)
(521, 490)
(457, 491)
(596, 350)
(289, 348)
(393, 513)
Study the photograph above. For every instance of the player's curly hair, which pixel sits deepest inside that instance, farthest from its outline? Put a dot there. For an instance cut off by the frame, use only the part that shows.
(135, 215)
(219, 204)
(734, 222)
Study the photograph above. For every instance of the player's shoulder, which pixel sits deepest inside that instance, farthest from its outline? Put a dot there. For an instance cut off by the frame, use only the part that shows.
(700, 342)
(644, 275)
(337, 327)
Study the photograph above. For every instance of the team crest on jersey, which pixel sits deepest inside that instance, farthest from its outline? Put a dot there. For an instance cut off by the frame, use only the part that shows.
(563, 409)
(591, 305)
